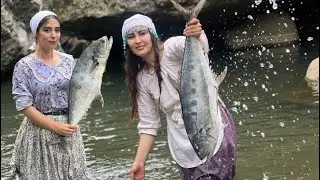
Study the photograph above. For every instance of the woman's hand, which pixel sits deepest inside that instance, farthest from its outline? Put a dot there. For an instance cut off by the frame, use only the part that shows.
(193, 28)
(64, 129)
(45, 122)
(137, 171)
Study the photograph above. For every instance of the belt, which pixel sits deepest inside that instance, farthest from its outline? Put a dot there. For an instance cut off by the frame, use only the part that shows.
(56, 113)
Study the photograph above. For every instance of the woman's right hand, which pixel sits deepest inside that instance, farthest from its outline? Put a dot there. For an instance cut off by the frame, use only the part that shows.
(64, 129)
(137, 171)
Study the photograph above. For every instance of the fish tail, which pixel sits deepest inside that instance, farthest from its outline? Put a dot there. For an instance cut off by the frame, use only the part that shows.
(189, 14)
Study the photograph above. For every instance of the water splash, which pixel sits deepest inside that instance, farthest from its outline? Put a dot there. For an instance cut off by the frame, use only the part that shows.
(281, 124)
(273, 2)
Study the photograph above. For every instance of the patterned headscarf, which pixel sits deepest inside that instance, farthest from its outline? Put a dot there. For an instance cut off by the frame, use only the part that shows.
(137, 21)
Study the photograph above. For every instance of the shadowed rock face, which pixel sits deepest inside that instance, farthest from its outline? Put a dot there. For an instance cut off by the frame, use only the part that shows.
(85, 20)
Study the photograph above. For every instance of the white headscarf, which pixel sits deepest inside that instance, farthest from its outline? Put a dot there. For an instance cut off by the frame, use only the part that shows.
(34, 23)
(37, 18)
(134, 21)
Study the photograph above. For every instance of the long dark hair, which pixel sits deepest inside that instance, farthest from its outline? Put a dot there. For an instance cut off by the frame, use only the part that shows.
(133, 65)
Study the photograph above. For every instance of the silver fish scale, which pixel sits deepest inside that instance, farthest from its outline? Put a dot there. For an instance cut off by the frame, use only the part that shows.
(85, 83)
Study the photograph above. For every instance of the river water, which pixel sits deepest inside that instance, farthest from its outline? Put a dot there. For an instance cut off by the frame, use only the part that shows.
(277, 121)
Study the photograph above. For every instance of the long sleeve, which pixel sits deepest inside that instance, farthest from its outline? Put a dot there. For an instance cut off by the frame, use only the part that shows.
(148, 110)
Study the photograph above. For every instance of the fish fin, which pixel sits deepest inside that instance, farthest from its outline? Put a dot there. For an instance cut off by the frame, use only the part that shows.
(189, 14)
(109, 44)
(94, 65)
(223, 74)
(174, 83)
(219, 78)
(100, 98)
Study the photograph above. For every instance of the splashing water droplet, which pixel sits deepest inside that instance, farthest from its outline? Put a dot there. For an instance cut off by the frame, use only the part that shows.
(250, 17)
(287, 50)
(270, 66)
(253, 134)
(234, 109)
(245, 107)
(275, 6)
(257, 2)
(236, 103)
(310, 39)
(245, 83)
(281, 124)
(265, 177)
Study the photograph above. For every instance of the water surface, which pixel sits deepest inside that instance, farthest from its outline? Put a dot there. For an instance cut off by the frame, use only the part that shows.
(277, 121)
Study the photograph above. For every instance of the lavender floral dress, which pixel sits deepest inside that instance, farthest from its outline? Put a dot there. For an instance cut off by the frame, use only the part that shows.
(40, 153)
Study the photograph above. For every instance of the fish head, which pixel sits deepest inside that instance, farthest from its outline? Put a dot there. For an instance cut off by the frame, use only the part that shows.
(97, 53)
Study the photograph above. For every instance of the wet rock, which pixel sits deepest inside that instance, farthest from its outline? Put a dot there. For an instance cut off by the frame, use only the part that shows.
(73, 45)
(312, 76)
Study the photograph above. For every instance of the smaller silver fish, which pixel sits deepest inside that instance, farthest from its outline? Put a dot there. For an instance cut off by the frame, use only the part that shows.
(85, 83)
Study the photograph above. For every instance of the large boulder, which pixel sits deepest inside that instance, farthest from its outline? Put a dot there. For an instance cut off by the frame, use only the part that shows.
(15, 40)
(312, 76)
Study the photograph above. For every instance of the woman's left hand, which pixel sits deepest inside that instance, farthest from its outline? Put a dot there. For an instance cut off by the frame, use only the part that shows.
(193, 28)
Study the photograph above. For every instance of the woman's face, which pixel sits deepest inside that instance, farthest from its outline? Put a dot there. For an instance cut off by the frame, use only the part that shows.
(48, 36)
(140, 42)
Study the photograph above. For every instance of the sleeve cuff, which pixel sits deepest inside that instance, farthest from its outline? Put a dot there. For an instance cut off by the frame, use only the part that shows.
(23, 106)
(152, 132)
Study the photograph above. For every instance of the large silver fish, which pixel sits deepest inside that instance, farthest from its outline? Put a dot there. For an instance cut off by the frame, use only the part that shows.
(85, 83)
(199, 93)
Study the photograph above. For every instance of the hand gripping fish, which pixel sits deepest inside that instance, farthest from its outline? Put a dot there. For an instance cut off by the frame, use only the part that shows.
(85, 83)
(199, 93)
